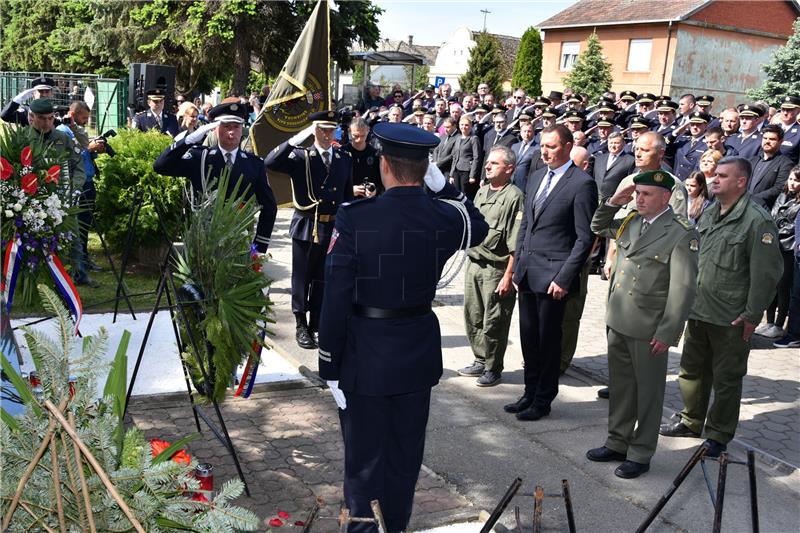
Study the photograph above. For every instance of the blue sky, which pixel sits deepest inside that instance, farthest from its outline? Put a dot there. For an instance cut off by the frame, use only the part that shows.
(431, 22)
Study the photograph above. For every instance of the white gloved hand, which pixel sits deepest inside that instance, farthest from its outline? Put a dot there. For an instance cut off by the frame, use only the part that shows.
(199, 134)
(338, 395)
(434, 178)
(299, 138)
(23, 96)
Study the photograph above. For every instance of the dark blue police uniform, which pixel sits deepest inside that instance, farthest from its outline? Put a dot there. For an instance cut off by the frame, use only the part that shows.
(745, 145)
(317, 191)
(147, 120)
(203, 164)
(378, 335)
(15, 113)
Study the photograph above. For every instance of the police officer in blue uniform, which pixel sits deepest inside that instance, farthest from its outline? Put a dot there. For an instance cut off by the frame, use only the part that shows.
(687, 149)
(667, 117)
(790, 109)
(747, 143)
(16, 112)
(156, 117)
(322, 180)
(380, 346)
(203, 165)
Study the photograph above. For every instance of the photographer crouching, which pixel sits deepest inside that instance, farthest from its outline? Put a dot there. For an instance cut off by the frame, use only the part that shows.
(73, 124)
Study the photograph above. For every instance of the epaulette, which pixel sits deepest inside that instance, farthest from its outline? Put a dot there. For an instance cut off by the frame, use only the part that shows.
(683, 221)
(358, 201)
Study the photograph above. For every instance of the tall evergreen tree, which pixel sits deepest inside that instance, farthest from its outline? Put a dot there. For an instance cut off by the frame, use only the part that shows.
(590, 74)
(783, 73)
(484, 66)
(528, 66)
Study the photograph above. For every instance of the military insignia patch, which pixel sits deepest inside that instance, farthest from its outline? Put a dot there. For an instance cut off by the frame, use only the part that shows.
(519, 215)
(694, 245)
(77, 150)
(767, 238)
(334, 236)
(658, 178)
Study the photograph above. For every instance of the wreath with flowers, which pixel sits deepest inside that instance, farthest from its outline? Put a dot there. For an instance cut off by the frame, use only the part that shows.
(37, 208)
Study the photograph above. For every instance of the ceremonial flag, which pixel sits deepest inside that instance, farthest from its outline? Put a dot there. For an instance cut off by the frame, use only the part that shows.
(302, 87)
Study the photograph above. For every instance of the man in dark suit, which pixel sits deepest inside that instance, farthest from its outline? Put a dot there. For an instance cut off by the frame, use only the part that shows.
(770, 168)
(519, 104)
(203, 165)
(612, 166)
(553, 244)
(156, 117)
(500, 135)
(525, 151)
(380, 348)
(322, 179)
(443, 154)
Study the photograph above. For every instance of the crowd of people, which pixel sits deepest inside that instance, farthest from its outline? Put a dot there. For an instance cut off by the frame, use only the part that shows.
(691, 217)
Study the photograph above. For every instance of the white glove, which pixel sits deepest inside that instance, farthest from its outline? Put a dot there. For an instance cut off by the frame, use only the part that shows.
(338, 395)
(434, 178)
(299, 138)
(199, 134)
(23, 96)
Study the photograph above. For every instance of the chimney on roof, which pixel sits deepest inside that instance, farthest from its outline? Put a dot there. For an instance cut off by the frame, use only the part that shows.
(410, 40)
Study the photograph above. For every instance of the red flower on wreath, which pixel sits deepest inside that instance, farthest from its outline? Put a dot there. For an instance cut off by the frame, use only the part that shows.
(157, 446)
(30, 183)
(284, 515)
(26, 156)
(52, 174)
(5, 169)
(275, 522)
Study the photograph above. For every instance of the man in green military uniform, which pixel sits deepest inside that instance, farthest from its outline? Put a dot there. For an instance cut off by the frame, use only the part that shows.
(489, 294)
(740, 265)
(651, 290)
(42, 127)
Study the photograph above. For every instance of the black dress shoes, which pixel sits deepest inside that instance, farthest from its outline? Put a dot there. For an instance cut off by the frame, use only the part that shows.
(303, 338)
(520, 405)
(678, 429)
(314, 336)
(604, 455)
(603, 393)
(714, 448)
(533, 413)
(631, 469)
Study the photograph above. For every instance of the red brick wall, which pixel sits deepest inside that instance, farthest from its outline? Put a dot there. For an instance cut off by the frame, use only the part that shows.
(774, 16)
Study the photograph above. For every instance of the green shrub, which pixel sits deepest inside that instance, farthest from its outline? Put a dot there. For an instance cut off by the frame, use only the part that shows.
(121, 175)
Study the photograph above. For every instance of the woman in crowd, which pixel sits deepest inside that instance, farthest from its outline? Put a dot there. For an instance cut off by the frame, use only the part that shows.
(465, 172)
(698, 195)
(187, 117)
(784, 213)
(708, 162)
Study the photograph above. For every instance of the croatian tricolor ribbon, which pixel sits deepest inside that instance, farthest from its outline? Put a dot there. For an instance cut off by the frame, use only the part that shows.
(66, 287)
(11, 265)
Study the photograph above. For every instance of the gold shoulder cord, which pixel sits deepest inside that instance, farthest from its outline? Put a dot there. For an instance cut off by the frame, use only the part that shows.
(625, 223)
(314, 202)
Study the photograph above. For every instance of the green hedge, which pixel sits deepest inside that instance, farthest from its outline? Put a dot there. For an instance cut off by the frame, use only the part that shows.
(121, 175)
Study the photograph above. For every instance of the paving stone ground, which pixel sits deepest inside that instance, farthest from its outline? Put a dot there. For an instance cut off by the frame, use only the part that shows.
(290, 449)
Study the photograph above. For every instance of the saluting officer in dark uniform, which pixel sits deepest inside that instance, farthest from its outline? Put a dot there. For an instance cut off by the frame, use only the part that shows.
(156, 117)
(747, 143)
(203, 165)
(322, 179)
(380, 347)
(790, 108)
(687, 149)
(17, 113)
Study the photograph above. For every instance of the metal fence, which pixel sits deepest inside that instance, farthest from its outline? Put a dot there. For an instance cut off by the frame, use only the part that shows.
(110, 95)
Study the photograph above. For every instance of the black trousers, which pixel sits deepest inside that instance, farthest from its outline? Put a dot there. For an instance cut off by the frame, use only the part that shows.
(308, 275)
(384, 441)
(540, 321)
(462, 184)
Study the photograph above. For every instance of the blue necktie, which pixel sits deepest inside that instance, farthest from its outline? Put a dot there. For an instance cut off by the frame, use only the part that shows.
(537, 203)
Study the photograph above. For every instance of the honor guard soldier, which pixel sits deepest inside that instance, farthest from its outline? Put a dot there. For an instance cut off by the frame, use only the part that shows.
(42, 127)
(790, 108)
(380, 347)
(651, 290)
(203, 165)
(17, 113)
(156, 117)
(747, 143)
(322, 180)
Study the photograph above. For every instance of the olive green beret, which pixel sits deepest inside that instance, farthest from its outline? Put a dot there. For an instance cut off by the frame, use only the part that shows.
(658, 178)
(42, 106)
